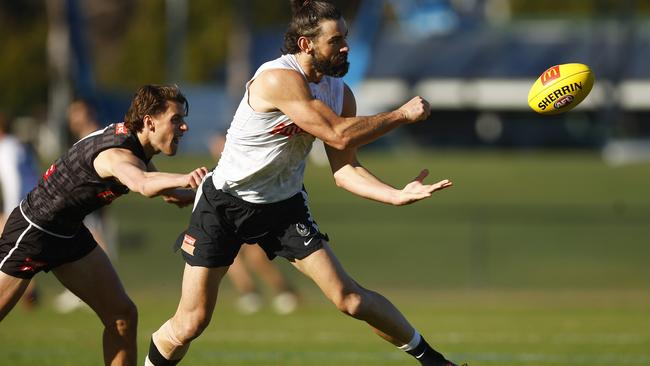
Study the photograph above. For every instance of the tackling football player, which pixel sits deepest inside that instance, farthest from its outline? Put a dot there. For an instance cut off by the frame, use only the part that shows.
(45, 232)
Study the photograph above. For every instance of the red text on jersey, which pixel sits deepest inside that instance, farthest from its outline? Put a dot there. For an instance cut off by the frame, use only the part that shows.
(286, 130)
(49, 171)
(108, 195)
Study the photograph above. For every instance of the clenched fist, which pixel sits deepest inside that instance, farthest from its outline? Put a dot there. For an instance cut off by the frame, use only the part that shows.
(415, 110)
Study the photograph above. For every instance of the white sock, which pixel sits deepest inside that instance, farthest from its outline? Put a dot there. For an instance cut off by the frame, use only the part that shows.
(413, 343)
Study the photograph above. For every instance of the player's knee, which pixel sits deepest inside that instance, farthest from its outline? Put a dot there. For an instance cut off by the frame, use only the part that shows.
(124, 319)
(351, 303)
(191, 326)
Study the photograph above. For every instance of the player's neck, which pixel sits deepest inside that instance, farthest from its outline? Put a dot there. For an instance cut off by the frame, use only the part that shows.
(310, 73)
(149, 150)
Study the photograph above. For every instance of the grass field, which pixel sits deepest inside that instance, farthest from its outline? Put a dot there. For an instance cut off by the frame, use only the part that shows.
(530, 259)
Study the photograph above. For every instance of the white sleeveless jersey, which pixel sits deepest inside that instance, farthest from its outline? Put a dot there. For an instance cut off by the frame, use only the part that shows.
(263, 160)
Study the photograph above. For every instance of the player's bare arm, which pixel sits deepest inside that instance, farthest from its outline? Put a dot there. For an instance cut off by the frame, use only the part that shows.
(355, 178)
(288, 91)
(180, 197)
(124, 166)
(350, 175)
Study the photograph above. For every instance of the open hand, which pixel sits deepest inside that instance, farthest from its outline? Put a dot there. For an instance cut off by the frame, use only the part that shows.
(416, 190)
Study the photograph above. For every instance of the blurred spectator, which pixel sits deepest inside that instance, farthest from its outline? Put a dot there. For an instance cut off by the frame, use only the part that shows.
(82, 121)
(18, 175)
(251, 258)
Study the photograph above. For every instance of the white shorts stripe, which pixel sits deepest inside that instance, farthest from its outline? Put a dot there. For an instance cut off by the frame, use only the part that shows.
(40, 228)
(15, 246)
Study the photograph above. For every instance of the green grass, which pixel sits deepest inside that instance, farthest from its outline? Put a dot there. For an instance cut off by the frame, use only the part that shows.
(530, 259)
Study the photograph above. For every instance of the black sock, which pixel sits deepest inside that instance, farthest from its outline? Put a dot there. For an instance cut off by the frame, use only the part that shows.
(157, 359)
(427, 355)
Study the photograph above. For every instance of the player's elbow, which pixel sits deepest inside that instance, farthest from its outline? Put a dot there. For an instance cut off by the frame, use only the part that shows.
(339, 142)
(149, 194)
(341, 179)
(143, 188)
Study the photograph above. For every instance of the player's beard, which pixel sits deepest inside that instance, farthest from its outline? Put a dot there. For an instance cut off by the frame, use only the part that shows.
(337, 66)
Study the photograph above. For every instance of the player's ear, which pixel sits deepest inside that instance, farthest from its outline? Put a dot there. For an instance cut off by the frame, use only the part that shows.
(148, 123)
(305, 44)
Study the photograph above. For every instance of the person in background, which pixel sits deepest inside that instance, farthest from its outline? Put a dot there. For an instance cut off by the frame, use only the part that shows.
(18, 169)
(18, 175)
(82, 121)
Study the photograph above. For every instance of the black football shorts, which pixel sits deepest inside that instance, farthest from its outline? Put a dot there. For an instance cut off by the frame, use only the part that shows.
(26, 249)
(221, 223)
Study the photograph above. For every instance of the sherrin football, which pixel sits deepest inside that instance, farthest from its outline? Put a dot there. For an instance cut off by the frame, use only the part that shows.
(560, 88)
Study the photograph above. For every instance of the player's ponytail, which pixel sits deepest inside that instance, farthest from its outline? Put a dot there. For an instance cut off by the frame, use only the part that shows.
(305, 22)
(296, 5)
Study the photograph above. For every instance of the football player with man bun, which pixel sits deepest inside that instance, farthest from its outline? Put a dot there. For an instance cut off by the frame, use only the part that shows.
(256, 192)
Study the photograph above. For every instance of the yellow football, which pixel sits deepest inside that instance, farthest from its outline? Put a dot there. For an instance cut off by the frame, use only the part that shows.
(560, 88)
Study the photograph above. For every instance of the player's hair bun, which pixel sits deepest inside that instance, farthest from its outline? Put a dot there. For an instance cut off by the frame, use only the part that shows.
(296, 5)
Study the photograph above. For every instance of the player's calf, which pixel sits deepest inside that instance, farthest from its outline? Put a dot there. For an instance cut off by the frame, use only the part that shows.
(120, 334)
(167, 348)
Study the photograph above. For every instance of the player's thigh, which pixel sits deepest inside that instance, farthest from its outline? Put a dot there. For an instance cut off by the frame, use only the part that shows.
(11, 289)
(200, 288)
(95, 281)
(326, 271)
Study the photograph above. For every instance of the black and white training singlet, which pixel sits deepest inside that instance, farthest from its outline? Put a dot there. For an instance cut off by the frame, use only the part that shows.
(70, 189)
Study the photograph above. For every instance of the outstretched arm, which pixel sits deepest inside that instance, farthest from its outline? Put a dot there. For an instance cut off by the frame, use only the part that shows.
(180, 197)
(350, 175)
(122, 165)
(288, 91)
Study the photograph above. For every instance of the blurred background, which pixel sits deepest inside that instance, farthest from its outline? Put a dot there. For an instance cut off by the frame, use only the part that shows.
(474, 60)
(537, 256)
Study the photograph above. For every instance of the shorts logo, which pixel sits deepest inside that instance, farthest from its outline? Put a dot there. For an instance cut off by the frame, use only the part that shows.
(31, 265)
(302, 229)
(120, 129)
(188, 244)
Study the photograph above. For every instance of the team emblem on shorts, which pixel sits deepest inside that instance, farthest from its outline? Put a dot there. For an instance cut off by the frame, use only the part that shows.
(188, 244)
(302, 229)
